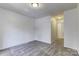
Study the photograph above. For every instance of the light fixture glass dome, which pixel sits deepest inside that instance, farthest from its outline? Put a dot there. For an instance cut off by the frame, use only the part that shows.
(35, 4)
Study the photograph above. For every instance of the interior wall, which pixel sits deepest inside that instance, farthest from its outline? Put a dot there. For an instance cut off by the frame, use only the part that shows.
(71, 28)
(57, 33)
(77, 42)
(43, 29)
(53, 29)
(15, 29)
(60, 29)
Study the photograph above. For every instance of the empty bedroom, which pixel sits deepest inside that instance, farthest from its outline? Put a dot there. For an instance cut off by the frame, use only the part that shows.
(39, 29)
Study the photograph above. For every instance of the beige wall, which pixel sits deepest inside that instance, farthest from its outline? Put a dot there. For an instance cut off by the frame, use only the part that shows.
(57, 28)
(53, 29)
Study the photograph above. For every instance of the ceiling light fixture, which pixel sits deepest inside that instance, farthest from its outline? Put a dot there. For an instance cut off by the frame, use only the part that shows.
(35, 4)
(60, 17)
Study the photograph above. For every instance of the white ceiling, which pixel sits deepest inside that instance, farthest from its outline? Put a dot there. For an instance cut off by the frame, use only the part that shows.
(45, 9)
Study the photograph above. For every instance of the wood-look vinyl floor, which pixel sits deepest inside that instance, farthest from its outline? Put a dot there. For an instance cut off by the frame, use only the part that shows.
(36, 48)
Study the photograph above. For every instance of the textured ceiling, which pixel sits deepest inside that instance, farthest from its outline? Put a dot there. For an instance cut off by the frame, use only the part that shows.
(45, 9)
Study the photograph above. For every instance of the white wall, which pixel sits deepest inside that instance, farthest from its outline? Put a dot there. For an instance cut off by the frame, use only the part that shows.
(43, 29)
(71, 31)
(15, 29)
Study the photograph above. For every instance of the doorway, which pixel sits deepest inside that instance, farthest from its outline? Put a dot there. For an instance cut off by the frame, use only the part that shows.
(57, 30)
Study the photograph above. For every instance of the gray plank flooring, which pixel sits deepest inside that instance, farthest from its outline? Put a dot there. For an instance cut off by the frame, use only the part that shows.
(37, 48)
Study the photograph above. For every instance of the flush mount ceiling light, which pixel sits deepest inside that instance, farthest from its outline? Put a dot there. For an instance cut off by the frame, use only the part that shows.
(35, 5)
(60, 17)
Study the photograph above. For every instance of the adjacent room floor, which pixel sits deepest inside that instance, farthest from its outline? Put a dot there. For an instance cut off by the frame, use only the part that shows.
(37, 48)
